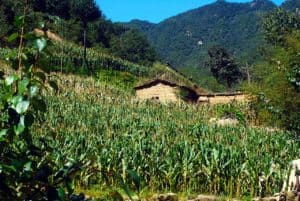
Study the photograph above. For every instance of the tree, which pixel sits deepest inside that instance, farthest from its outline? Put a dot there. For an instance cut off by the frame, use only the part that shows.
(7, 15)
(291, 5)
(39, 5)
(27, 171)
(4, 24)
(223, 67)
(105, 30)
(60, 8)
(133, 46)
(277, 80)
(85, 11)
(278, 24)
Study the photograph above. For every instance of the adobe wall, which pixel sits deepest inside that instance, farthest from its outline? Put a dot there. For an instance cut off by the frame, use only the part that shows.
(222, 99)
(164, 93)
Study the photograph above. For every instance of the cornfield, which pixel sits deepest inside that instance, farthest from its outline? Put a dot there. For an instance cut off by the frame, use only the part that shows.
(68, 58)
(171, 147)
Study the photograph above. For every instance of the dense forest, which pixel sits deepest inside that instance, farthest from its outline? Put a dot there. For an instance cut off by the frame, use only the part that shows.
(69, 19)
(183, 40)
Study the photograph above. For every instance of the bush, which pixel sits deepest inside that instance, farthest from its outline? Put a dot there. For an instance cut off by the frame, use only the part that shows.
(122, 80)
(27, 171)
(276, 97)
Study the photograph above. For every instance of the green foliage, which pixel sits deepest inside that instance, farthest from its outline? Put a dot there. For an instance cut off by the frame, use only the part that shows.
(223, 67)
(85, 10)
(291, 5)
(59, 8)
(27, 169)
(102, 31)
(171, 147)
(78, 21)
(277, 83)
(231, 111)
(293, 62)
(143, 26)
(133, 47)
(122, 80)
(204, 79)
(164, 71)
(210, 83)
(278, 24)
(68, 58)
(183, 40)
(3, 22)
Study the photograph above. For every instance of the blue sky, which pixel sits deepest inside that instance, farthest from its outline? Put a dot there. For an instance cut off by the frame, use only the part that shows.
(151, 10)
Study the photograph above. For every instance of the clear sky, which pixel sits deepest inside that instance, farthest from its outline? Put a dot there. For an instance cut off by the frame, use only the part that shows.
(151, 10)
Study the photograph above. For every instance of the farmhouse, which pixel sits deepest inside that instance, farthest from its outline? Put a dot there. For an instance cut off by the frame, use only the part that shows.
(166, 91)
(222, 98)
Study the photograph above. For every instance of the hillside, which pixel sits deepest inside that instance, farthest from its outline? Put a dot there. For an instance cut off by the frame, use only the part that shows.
(67, 57)
(143, 26)
(64, 18)
(171, 147)
(183, 40)
(291, 5)
(70, 122)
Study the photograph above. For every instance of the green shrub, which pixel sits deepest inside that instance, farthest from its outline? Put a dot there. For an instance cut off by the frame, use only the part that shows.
(27, 169)
(122, 80)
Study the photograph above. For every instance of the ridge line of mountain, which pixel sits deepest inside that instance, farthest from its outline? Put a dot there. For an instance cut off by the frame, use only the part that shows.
(183, 40)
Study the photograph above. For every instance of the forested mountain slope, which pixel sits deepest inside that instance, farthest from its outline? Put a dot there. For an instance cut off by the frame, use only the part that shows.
(69, 19)
(291, 5)
(183, 40)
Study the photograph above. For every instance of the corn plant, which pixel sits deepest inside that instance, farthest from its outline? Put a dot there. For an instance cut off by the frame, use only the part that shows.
(27, 168)
(171, 146)
(70, 60)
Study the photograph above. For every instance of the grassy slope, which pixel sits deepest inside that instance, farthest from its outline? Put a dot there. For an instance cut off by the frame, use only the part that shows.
(172, 147)
(67, 57)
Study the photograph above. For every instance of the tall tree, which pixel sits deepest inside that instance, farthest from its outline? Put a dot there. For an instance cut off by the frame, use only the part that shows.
(39, 5)
(278, 24)
(59, 8)
(133, 46)
(277, 80)
(4, 24)
(223, 67)
(85, 11)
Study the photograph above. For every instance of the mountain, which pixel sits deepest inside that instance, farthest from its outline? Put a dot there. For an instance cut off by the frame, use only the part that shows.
(144, 26)
(183, 40)
(291, 5)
